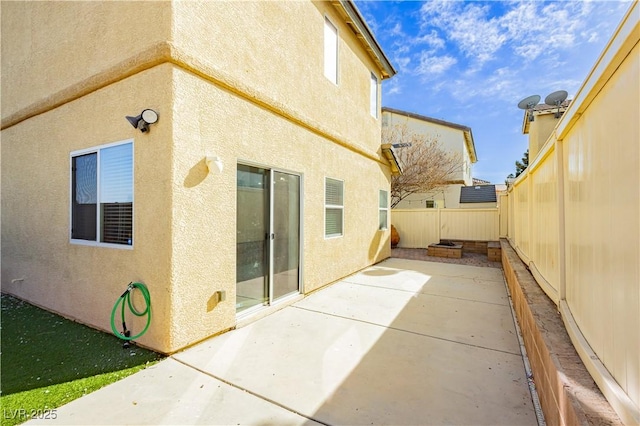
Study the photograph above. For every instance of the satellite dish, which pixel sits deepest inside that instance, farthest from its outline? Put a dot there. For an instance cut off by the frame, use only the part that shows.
(528, 103)
(556, 98)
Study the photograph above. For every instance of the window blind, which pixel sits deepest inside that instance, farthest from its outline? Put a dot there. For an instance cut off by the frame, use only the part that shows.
(116, 194)
(334, 207)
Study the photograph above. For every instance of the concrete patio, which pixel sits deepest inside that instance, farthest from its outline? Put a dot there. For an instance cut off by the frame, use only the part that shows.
(404, 342)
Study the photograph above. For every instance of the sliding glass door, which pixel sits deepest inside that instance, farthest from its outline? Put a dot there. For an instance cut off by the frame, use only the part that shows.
(268, 236)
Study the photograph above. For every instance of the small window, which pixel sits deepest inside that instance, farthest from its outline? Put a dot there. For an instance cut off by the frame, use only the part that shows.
(333, 208)
(373, 105)
(431, 204)
(383, 210)
(102, 195)
(330, 51)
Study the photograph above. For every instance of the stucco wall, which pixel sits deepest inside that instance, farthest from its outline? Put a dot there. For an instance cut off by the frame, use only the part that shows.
(48, 47)
(80, 281)
(213, 97)
(450, 139)
(276, 49)
(539, 131)
(204, 218)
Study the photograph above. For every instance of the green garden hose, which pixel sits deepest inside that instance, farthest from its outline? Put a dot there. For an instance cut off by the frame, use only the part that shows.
(125, 335)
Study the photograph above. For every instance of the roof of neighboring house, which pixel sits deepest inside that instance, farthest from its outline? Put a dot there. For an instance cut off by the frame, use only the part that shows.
(477, 181)
(478, 194)
(468, 135)
(356, 22)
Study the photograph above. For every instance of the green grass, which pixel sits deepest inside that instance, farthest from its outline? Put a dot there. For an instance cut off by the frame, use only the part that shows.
(47, 361)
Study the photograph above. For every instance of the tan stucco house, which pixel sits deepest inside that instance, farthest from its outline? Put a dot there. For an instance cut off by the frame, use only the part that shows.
(455, 138)
(539, 122)
(260, 180)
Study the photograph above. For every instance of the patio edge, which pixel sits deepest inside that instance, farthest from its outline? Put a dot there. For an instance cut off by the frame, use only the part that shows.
(568, 393)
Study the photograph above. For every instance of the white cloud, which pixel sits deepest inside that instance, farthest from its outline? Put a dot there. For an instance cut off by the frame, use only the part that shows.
(431, 66)
(432, 39)
(529, 29)
(477, 36)
(392, 87)
(396, 30)
(467, 25)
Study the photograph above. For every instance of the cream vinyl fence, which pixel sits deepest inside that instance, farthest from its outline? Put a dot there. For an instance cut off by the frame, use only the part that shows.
(420, 227)
(574, 219)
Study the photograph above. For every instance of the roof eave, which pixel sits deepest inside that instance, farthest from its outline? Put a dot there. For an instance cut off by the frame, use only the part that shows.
(471, 146)
(387, 152)
(354, 19)
(525, 123)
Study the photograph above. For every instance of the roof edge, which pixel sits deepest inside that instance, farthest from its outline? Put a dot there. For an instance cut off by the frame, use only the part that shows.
(364, 33)
(468, 134)
(387, 152)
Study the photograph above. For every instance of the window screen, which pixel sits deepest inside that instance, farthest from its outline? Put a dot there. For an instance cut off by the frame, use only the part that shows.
(85, 195)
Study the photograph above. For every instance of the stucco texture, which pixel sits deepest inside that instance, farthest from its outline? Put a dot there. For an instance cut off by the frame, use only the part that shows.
(450, 140)
(249, 89)
(205, 204)
(274, 50)
(79, 281)
(49, 47)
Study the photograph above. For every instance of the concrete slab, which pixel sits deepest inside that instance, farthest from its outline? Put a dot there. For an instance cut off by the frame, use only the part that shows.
(340, 371)
(170, 393)
(443, 269)
(471, 322)
(467, 282)
(404, 342)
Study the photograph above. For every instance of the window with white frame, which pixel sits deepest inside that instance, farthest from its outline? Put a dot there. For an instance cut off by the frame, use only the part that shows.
(102, 194)
(330, 51)
(333, 208)
(373, 103)
(383, 210)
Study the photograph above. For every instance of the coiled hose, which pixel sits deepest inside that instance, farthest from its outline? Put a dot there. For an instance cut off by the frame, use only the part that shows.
(126, 296)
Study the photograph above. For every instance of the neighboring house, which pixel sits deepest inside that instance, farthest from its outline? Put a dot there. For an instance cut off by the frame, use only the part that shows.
(539, 123)
(478, 197)
(454, 138)
(477, 181)
(263, 167)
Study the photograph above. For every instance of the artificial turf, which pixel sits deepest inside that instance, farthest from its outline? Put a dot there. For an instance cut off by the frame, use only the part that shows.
(47, 361)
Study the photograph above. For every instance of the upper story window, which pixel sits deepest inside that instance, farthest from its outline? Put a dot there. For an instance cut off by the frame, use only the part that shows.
(373, 103)
(102, 195)
(333, 208)
(330, 51)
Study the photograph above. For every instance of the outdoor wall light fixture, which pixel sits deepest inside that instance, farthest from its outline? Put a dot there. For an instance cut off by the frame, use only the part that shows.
(142, 121)
(214, 160)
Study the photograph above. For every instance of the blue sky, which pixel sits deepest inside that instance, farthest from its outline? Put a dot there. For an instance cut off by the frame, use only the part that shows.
(471, 62)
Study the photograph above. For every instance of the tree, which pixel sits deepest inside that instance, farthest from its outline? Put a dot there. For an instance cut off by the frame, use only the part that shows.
(426, 166)
(521, 166)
